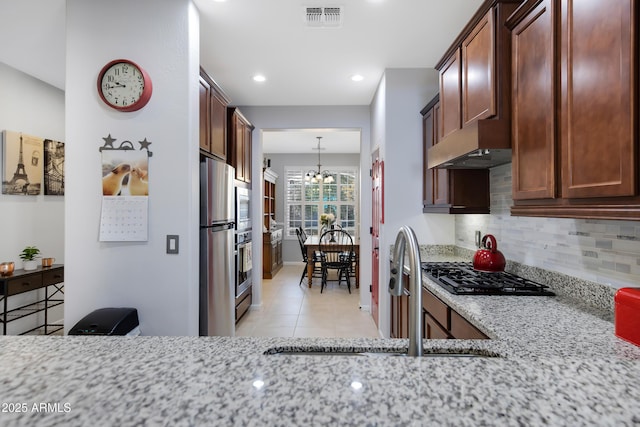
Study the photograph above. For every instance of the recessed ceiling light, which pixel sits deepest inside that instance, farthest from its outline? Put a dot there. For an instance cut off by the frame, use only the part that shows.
(357, 78)
(259, 78)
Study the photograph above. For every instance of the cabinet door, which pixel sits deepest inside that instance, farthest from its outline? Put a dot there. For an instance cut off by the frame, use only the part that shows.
(463, 330)
(238, 147)
(432, 330)
(478, 71)
(428, 132)
(598, 92)
(218, 126)
(533, 116)
(440, 176)
(450, 87)
(205, 115)
(247, 140)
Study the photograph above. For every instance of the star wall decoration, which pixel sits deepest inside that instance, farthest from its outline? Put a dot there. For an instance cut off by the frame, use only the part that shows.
(124, 145)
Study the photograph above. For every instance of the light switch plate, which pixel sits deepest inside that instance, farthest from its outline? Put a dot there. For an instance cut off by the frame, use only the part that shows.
(173, 243)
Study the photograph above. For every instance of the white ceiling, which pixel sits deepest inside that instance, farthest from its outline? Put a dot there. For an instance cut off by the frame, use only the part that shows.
(306, 141)
(303, 66)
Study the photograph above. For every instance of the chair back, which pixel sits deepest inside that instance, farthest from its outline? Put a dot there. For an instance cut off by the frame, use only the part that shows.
(299, 233)
(336, 247)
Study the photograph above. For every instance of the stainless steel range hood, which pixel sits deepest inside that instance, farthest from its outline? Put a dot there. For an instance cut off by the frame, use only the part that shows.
(482, 144)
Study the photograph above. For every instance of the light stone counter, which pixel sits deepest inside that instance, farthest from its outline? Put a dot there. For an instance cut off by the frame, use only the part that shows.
(558, 365)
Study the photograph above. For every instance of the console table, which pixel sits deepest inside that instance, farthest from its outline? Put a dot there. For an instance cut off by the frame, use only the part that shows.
(21, 281)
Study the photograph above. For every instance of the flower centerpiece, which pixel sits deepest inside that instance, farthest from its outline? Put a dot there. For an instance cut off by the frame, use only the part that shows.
(326, 222)
(327, 219)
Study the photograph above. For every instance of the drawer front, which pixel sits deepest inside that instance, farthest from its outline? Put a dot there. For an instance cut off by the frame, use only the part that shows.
(24, 284)
(462, 329)
(52, 277)
(436, 308)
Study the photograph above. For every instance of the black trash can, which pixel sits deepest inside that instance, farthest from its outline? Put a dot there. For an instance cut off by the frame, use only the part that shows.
(108, 321)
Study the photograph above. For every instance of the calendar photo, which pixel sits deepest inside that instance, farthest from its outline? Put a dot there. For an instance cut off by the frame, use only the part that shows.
(125, 173)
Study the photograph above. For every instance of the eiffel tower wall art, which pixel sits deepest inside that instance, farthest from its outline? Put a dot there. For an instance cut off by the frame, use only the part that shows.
(23, 162)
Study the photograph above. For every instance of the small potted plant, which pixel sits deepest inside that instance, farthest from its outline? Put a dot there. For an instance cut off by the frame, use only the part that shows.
(28, 257)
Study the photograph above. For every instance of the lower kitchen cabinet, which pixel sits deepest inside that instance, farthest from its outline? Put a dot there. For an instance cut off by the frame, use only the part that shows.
(271, 253)
(442, 322)
(439, 321)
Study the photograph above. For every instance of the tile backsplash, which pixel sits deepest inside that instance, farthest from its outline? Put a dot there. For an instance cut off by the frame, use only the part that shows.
(602, 251)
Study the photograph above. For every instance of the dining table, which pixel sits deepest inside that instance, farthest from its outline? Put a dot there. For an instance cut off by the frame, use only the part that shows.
(312, 244)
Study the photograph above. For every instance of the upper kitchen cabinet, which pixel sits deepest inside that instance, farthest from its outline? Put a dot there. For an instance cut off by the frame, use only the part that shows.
(575, 124)
(239, 145)
(475, 93)
(453, 191)
(213, 117)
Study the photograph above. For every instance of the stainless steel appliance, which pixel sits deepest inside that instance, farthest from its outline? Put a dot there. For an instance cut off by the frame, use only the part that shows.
(243, 276)
(243, 209)
(217, 229)
(461, 278)
(243, 259)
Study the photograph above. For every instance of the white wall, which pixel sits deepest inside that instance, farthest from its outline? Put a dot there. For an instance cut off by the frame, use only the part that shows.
(303, 117)
(397, 131)
(31, 106)
(164, 288)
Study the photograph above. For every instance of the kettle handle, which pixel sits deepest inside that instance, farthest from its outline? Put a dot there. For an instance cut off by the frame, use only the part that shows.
(493, 244)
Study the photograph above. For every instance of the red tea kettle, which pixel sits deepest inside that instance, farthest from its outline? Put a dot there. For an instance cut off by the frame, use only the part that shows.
(488, 258)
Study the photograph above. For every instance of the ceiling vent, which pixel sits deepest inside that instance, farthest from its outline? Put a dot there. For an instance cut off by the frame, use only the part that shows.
(323, 17)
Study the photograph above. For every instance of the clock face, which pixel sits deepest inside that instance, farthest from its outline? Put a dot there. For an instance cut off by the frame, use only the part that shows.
(124, 86)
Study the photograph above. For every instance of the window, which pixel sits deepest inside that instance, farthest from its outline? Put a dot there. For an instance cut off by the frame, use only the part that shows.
(305, 201)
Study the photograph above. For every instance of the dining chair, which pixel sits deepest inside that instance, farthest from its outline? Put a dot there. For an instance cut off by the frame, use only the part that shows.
(317, 270)
(336, 247)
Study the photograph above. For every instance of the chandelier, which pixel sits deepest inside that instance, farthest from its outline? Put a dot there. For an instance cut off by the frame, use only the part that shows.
(317, 176)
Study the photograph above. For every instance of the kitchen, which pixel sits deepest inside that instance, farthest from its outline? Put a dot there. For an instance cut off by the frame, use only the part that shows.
(92, 286)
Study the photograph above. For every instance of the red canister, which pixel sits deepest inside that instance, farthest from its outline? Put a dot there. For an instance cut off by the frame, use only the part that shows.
(627, 314)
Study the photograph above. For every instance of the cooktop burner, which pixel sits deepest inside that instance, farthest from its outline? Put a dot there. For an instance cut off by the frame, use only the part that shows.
(460, 278)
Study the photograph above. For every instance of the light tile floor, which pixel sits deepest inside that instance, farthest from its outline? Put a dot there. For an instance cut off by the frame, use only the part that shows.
(292, 310)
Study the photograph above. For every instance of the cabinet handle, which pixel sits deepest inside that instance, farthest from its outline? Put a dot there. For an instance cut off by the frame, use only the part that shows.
(57, 276)
(26, 283)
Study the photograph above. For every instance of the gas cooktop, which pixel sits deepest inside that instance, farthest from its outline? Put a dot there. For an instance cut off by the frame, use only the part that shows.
(460, 278)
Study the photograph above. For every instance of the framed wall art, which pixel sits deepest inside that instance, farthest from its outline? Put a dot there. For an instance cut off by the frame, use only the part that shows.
(22, 163)
(53, 168)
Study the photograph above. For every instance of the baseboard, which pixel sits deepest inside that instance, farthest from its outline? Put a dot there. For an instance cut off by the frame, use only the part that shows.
(300, 263)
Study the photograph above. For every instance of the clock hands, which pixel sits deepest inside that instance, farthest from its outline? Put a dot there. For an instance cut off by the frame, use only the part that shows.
(116, 84)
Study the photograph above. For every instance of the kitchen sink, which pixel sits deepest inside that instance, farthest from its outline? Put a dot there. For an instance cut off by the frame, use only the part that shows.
(364, 352)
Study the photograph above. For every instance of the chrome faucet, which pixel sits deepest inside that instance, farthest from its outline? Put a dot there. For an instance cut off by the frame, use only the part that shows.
(406, 234)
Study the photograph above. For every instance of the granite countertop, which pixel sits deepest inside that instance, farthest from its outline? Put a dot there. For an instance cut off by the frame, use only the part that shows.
(559, 364)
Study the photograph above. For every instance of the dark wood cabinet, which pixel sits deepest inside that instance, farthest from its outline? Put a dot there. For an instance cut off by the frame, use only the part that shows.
(442, 322)
(239, 144)
(453, 191)
(478, 71)
(475, 88)
(533, 113)
(400, 313)
(575, 124)
(439, 321)
(271, 253)
(213, 117)
(450, 96)
(272, 238)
